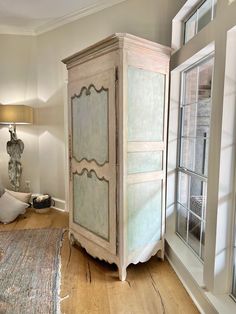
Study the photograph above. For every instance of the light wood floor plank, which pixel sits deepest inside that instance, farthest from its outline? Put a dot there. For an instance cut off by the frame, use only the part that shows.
(91, 286)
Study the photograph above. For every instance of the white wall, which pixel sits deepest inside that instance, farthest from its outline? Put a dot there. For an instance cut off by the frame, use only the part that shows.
(18, 84)
(44, 165)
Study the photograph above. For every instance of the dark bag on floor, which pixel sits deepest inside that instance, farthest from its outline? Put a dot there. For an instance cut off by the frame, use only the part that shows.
(44, 203)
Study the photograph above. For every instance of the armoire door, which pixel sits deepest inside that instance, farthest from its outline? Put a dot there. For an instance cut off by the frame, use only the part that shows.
(92, 137)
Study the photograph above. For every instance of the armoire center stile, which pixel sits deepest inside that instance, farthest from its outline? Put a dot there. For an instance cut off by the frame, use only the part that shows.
(117, 117)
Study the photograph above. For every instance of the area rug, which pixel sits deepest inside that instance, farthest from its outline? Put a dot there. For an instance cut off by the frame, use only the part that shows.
(29, 271)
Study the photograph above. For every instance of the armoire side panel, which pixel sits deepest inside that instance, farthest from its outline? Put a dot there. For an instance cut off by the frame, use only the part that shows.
(144, 214)
(145, 125)
(146, 97)
(144, 162)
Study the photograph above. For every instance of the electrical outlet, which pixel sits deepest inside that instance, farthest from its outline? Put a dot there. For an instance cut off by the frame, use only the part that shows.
(27, 186)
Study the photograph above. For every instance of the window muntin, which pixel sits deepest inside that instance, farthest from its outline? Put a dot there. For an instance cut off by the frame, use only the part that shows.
(193, 154)
(203, 14)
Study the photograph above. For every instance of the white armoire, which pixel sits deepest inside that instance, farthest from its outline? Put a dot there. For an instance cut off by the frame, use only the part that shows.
(117, 117)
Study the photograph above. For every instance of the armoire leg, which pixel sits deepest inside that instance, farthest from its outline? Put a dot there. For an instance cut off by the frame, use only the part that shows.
(161, 255)
(122, 273)
(71, 239)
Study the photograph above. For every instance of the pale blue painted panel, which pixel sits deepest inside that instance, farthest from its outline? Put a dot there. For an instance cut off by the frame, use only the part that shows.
(91, 207)
(90, 125)
(144, 214)
(139, 162)
(146, 98)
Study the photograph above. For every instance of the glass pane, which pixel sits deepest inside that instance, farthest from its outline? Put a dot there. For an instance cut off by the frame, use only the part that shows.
(197, 196)
(146, 100)
(205, 80)
(194, 155)
(144, 162)
(91, 208)
(196, 119)
(204, 14)
(182, 218)
(203, 242)
(183, 188)
(194, 233)
(190, 27)
(190, 81)
(90, 125)
(144, 214)
(203, 118)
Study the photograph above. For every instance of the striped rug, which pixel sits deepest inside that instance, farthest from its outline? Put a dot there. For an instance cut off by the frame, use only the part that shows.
(30, 271)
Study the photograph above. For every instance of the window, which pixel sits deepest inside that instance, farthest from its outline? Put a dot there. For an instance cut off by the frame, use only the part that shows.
(199, 19)
(192, 168)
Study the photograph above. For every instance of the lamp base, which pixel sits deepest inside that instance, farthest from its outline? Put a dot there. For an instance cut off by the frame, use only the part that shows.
(15, 148)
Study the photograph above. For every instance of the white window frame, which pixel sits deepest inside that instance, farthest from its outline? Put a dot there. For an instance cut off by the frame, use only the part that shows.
(191, 13)
(210, 284)
(179, 168)
(178, 23)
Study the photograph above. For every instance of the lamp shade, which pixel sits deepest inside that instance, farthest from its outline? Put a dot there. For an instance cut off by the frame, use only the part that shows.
(19, 114)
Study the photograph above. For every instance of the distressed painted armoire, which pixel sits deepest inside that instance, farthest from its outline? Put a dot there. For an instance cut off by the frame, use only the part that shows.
(117, 117)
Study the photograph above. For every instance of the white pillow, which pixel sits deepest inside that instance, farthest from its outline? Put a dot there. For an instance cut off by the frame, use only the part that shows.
(23, 197)
(10, 208)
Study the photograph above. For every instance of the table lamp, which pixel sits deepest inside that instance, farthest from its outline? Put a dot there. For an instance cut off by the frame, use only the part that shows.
(12, 115)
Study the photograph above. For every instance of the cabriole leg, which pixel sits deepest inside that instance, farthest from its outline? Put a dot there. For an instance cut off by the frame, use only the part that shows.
(122, 273)
(71, 239)
(161, 254)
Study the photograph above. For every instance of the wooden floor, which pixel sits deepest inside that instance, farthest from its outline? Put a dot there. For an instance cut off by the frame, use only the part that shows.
(91, 286)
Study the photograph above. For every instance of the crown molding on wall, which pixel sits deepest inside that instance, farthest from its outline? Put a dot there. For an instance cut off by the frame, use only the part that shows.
(68, 18)
(76, 16)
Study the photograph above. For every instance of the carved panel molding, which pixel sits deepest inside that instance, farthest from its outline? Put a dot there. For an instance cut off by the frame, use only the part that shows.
(90, 142)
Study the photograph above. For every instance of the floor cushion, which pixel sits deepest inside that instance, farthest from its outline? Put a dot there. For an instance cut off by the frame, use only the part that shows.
(23, 197)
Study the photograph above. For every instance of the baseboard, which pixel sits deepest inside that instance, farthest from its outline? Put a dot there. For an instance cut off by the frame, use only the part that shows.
(59, 204)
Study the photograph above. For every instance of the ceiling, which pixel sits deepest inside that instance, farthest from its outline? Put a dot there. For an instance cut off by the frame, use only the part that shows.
(38, 16)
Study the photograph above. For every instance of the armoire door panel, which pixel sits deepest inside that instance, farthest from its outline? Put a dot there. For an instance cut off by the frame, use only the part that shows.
(91, 203)
(90, 125)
